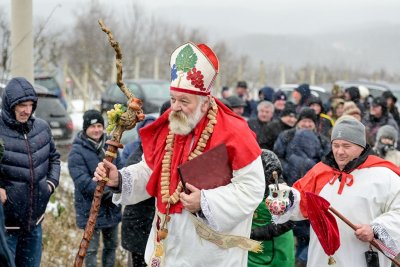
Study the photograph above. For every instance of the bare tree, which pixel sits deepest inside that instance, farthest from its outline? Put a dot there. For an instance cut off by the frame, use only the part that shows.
(86, 50)
(5, 43)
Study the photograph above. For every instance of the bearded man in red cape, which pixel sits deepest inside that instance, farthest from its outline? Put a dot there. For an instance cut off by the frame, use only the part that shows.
(203, 227)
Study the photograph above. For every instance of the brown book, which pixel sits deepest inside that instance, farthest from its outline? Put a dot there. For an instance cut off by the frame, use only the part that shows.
(209, 170)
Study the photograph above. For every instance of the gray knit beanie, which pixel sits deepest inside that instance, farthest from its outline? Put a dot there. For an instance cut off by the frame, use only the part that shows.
(387, 131)
(349, 130)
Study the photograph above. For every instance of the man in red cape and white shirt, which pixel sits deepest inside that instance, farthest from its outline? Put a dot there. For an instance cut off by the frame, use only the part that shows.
(363, 187)
(195, 123)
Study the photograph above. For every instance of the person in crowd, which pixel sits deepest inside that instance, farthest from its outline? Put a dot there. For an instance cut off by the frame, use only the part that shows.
(226, 103)
(6, 259)
(377, 117)
(391, 100)
(265, 111)
(347, 179)
(351, 109)
(337, 108)
(284, 148)
(324, 122)
(137, 218)
(237, 105)
(29, 171)
(365, 98)
(301, 94)
(277, 239)
(353, 94)
(266, 94)
(279, 99)
(88, 149)
(386, 144)
(225, 92)
(271, 132)
(196, 123)
(250, 108)
(299, 149)
(336, 94)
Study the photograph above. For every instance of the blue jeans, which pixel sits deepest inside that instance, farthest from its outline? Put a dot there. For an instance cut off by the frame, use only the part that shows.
(302, 250)
(110, 242)
(25, 247)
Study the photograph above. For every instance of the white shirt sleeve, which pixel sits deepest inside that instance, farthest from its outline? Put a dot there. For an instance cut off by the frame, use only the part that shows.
(134, 180)
(226, 206)
(293, 213)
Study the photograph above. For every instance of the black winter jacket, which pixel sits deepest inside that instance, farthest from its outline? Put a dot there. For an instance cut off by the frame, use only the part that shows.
(271, 132)
(30, 162)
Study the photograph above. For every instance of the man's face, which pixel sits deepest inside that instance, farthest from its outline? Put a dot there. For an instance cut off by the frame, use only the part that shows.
(347, 96)
(23, 111)
(306, 124)
(290, 120)
(386, 141)
(296, 97)
(316, 107)
(376, 111)
(95, 131)
(241, 91)
(339, 110)
(389, 101)
(186, 111)
(280, 104)
(238, 110)
(345, 151)
(265, 114)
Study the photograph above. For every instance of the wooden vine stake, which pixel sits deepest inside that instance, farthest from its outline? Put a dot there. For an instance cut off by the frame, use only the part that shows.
(127, 121)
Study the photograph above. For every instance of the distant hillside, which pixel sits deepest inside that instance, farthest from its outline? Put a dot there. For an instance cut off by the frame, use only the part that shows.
(367, 48)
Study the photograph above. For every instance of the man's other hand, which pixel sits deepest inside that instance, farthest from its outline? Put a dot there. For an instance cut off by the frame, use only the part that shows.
(191, 202)
(364, 232)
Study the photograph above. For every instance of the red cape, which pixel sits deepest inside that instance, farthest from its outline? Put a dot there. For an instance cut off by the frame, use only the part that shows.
(316, 178)
(230, 129)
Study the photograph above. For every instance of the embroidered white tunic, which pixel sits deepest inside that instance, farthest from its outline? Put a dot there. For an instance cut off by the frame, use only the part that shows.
(228, 209)
(374, 198)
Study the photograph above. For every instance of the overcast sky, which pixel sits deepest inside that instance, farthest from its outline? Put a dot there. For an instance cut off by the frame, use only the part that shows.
(234, 17)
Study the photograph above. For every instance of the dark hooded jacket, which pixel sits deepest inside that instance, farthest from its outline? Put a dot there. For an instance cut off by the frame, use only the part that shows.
(82, 163)
(30, 162)
(137, 218)
(6, 259)
(271, 132)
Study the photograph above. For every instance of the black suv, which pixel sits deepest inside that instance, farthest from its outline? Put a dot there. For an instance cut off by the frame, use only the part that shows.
(52, 85)
(50, 109)
(153, 93)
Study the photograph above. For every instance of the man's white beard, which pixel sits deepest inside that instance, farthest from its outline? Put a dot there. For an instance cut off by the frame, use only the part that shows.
(182, 124)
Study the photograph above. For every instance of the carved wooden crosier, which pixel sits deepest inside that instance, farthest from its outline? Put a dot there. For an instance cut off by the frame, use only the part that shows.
(127, 121)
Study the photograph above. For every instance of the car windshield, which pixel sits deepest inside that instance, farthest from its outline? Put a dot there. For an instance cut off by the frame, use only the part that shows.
(156, 90)
(150, 90)
(49, 106)
(48, 82)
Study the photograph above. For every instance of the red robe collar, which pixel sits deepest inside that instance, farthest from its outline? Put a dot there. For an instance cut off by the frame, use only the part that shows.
(230, 129)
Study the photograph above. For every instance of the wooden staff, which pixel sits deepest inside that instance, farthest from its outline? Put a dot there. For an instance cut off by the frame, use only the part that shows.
(376, 243)
(127, 121)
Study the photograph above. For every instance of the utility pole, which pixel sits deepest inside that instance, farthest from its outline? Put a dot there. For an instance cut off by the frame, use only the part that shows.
(22, 39)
